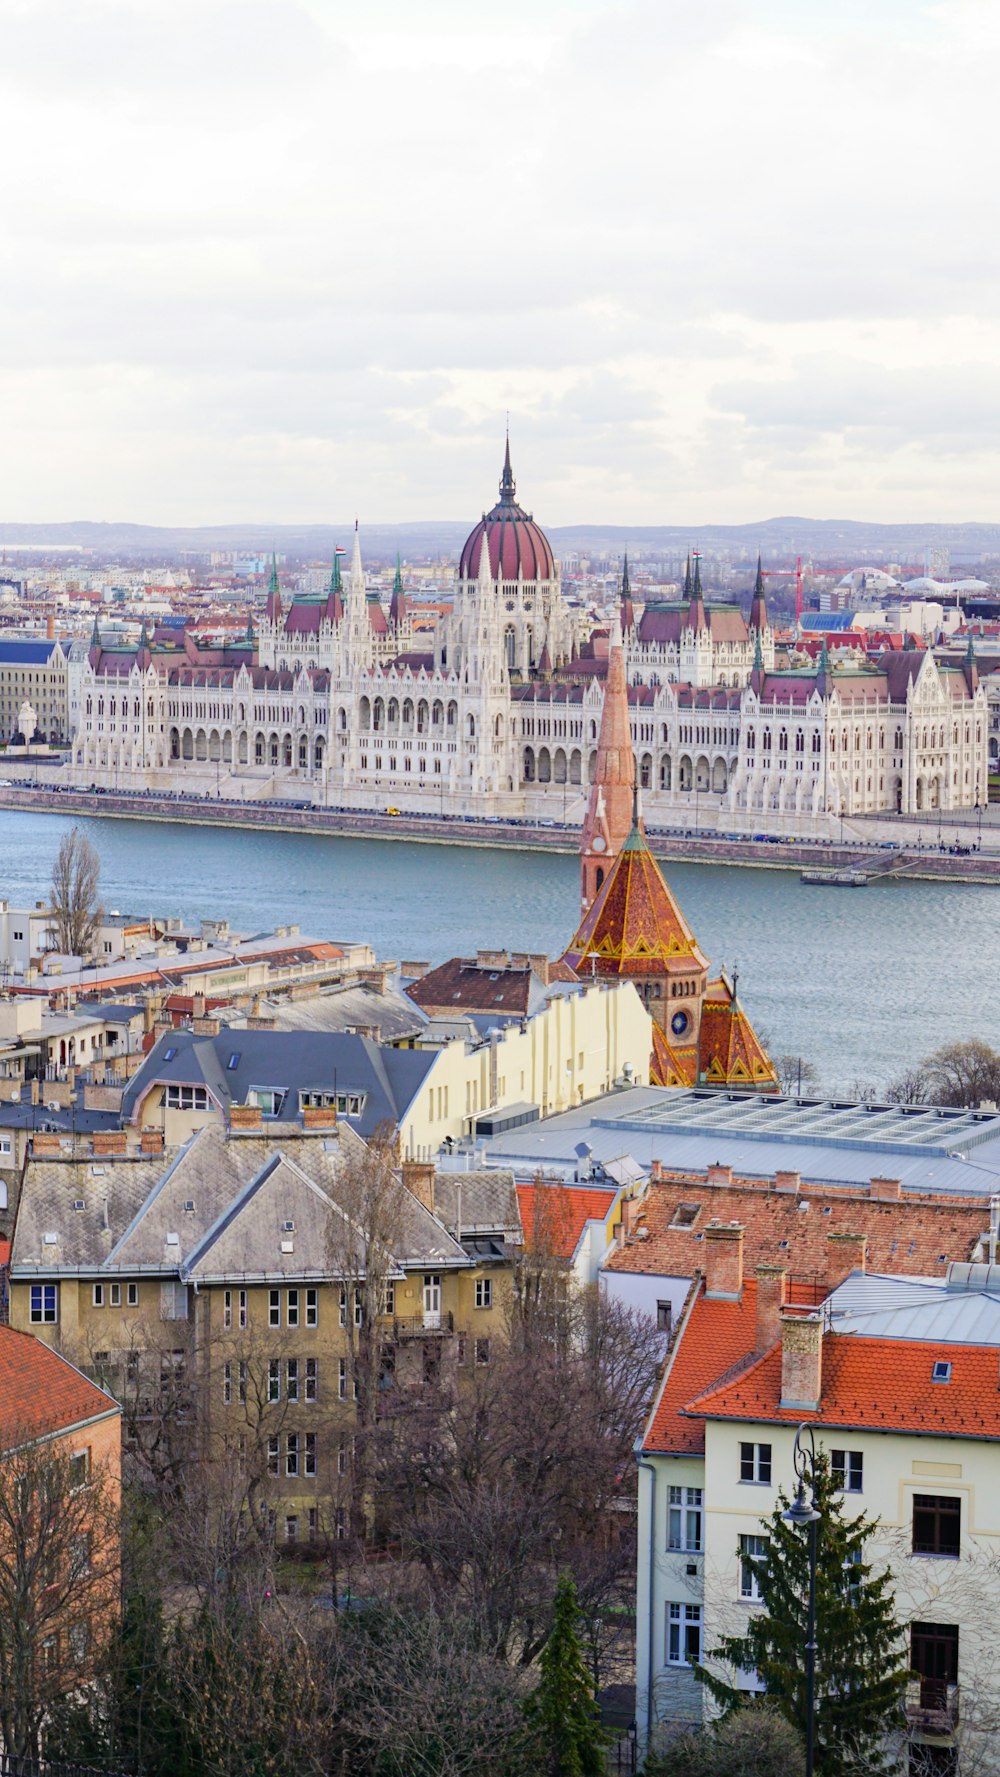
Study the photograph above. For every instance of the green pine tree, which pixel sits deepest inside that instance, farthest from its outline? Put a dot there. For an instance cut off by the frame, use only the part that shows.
(561, 1712)
(861, 1666)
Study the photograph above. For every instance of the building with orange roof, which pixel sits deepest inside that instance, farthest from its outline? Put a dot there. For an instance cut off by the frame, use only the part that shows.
(633, 928)
(570, 1223)
(896, 1377)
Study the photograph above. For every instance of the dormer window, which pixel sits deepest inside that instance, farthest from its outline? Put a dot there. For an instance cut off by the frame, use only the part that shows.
(685, 1215)
(941, 1371)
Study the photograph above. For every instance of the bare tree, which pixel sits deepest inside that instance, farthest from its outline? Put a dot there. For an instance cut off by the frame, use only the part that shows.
(962, 1074)
(76, 909)
(909, 1087)
(796, 1074)
(59, 1566)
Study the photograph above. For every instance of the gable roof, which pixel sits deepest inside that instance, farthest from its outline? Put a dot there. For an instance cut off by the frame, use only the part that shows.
(555, 1215)
(40, 1393)
(711, 1338)
(634, 926)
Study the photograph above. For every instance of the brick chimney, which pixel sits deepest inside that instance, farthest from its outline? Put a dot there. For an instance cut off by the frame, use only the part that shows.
(151, 1141)
(418, 1177)
(718, 1174)
(724, 1261)
(772, 1288)
(890, 1190)
(787, 1181)
(319, 1116)
(801, 1361)
(44, 1145)
(848, 1253)
(109, 1141)
(245, 1116)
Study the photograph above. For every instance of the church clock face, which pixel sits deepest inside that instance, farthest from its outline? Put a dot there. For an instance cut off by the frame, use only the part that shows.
(597, 843)
(679, 1023)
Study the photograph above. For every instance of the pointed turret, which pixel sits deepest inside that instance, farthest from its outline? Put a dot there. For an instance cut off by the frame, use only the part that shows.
(687, 578)
(485, 577)
(608, 820)
(357, 571)
(336, 583)
(397, 604)
(627, 608)
(250, 640)
(273, 606)
(507, 486)
(757, 670)
(824, 673)
(758, 604)
(696, 617)
(971, 668)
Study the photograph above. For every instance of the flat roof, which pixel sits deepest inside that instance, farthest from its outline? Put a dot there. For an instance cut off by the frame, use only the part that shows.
(833, 1141)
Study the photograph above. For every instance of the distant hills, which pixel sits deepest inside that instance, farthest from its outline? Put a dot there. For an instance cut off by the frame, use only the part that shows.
(820, 539)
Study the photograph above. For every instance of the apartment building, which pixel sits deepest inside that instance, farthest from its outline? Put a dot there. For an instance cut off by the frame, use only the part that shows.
(34, 672)
(897, 1378)
(220, 1286)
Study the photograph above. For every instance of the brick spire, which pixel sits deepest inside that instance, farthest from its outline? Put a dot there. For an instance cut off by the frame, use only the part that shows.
(608, 821)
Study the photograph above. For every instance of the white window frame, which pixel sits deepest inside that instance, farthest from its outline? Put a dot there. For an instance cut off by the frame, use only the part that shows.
(227, 1309)
(312, 1308)
(227, 1384)
(243, 1308)
(312, 1379)
(680, 1619)
(484, 1292)
(274, 1379)
(342, 1380)
(685, 1522)
(850, 1467)
(291, 1308)
(132, 1295)
(47, 1312)
(291, 1453)
(116, 1295)
(97, 1296)
(274, 1308)
(755, 1546)
(309, 1454)
(291, 1379)
(757, 1462)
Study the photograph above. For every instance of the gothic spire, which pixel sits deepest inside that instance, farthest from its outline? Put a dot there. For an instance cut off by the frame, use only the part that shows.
(273, 606)
(627, 608)
(507, 488)
(687, 577)
(758, 604)
(397, 604)
(336, 584)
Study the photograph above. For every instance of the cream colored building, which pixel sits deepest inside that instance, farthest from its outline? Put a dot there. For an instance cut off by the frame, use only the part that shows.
(902, 1398)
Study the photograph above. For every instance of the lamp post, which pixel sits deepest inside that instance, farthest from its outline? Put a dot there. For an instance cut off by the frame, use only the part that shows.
(804, 1516)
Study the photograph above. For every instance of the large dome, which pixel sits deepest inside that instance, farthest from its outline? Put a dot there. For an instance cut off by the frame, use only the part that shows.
(515, 540)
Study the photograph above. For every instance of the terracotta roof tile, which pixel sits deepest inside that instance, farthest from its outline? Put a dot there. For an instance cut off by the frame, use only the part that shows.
(713, 1336)
(556, 1215)
(40, 1392)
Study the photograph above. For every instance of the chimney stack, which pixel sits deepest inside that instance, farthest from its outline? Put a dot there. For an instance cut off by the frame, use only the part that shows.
(787, 1181)
(801, 1361)
(724, 1261)
(772, 1288)
(717, 1174)
(418, 1177)
(848, 1252)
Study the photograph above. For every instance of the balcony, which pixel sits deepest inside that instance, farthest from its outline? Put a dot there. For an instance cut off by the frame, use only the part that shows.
(433, 1321)
(932, 1707)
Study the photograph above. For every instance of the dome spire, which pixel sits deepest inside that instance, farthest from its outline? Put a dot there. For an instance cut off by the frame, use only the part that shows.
(507, 488)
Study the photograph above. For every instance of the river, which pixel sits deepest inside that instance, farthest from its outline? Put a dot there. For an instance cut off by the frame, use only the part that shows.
(859, 982)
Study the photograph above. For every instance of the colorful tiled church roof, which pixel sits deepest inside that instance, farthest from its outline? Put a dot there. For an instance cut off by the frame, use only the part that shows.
(635, 926)
(731, 1051)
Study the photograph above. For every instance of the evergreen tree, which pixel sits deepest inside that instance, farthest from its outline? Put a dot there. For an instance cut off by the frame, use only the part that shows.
(861, 1666)
(561, 1712)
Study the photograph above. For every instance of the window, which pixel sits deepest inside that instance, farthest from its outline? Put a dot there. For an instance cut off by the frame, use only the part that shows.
(243, 1380)
(484, 1292)
(312, 1378)
(342, 1379)
(187, 1098)
(342, 1457)
(359, 1313)
(937, 1525)
(313, 1523)
(116, 1295)
(227, 1384)
(132, 1295)
(79, 1469)
(292, 1453)
(292, 1379)
(934, 1657)
(684, 1519)
(312, 1308)
(44, 1302)
(941, 1371)
(227, 1309)
(292, 1308)
(683, 1634)
(79, 1556)
(847, 1469)
(291, 1528)
(755, 1463)
(274, 1309)
(482, 1351)
(664, 1317)
(243, 1308)
(752, 1548)
(79, 1639)
(98, 1295)
(274, 1379)
(310, 1453)
(389, 1301)
(685, 1215)
(273, 1456)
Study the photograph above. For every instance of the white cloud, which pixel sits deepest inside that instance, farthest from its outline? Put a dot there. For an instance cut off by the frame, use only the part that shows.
(282, 259)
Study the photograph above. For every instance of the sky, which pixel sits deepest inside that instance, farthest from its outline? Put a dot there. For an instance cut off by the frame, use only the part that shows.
(292, 260)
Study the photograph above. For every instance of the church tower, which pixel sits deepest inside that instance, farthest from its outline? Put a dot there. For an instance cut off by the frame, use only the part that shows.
(608, 821)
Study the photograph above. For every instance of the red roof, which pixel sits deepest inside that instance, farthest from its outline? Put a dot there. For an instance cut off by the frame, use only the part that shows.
(556, 1215)
(515, 541)
(854, 1391)
(713, 1337)
(40, 1392)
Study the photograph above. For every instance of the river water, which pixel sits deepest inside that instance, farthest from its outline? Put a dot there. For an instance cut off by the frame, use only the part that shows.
(859, 982)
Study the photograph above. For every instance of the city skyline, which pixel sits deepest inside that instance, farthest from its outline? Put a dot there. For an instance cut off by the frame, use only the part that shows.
(273, 263)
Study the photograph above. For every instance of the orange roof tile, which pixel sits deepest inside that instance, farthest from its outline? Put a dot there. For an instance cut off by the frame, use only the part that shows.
(713, 1336)
(855, 1394)
(40, 1392)
(635, 926)
(555, 1214)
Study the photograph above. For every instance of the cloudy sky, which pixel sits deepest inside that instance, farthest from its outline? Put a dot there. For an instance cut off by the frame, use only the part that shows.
(286, 260)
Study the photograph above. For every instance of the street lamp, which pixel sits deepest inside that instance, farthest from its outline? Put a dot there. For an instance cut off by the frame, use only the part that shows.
(804, 1516)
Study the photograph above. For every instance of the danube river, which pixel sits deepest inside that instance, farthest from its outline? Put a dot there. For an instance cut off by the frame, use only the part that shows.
(859, 982)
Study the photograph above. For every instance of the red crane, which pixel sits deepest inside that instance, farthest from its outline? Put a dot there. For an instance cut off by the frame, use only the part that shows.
(789, 574)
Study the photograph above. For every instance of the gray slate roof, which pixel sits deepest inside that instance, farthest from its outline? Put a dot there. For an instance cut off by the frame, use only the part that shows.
(289, 1061)
(348, 1009)
(486, 1202)
(242, 1189)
